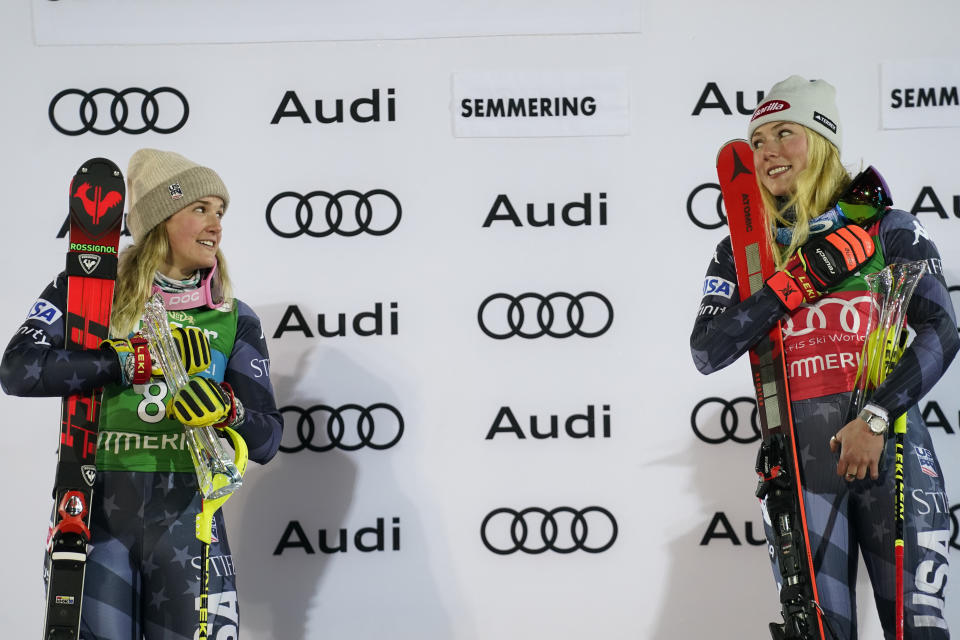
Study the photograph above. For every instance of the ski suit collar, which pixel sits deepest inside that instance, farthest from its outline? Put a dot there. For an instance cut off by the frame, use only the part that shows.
(190, 296)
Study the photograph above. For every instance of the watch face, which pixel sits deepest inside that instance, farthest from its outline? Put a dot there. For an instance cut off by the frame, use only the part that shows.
(877, 425)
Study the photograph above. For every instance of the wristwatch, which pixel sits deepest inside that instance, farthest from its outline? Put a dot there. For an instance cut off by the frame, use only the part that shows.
(877, 421)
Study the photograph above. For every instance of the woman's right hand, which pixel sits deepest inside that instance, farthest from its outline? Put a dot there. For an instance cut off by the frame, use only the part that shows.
(138, 366)
(134, 357)
(820, 264)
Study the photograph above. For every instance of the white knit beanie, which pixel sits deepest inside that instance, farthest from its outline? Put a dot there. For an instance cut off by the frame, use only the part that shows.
(812, 103)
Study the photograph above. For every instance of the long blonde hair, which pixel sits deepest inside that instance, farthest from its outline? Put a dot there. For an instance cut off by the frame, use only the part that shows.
(817, 189)
(138, 264)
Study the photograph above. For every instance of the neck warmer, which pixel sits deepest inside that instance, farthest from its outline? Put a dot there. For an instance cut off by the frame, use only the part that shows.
(825, 222)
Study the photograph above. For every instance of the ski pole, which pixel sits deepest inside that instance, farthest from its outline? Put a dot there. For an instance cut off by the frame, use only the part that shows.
(204, 524)
(900, 431)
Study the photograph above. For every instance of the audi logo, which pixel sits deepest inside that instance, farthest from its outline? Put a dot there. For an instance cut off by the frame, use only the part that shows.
(534, 530)
(92, 110)
(730, 420)
(812, 318)
(955, 526)
(363, 431)
(532, 315)
(376, 212)
(954, 289)
(703, 217)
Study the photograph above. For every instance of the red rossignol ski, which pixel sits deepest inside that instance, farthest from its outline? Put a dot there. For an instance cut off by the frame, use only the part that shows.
(777, 464)
(96, 219)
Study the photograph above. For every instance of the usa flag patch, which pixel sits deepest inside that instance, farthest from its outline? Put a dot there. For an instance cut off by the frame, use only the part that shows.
(926, 462)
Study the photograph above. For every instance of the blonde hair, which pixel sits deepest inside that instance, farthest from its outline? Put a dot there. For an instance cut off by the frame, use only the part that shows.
(137, 266)
(817, 189)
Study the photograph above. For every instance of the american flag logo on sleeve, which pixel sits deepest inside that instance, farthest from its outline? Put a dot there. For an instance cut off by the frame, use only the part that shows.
(927, 464)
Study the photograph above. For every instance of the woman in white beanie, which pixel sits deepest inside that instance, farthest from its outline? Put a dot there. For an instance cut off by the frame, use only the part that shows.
(142, 579)
(848, 492)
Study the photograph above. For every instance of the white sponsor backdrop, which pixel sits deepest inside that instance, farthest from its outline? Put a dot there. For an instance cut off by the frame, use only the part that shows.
(183, 21)
(448, 379)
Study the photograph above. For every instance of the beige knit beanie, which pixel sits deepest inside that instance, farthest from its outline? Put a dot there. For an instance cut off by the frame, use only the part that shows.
(161, 183)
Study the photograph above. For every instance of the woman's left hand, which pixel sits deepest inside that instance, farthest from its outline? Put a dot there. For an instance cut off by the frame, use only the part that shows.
(860, 451)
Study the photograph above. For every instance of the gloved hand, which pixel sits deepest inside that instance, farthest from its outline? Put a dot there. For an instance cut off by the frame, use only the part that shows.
(194, 350)
(202, 403)
(134, 357)
(820, 264)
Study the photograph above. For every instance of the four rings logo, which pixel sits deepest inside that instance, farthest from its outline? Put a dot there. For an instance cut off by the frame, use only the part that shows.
(703, 211)
(290, 214)
(105, 111)
(558, 315)
(846, 316)
(534, 530)
(706, 424)
(337, 435)
(955, 289)
(954, 526)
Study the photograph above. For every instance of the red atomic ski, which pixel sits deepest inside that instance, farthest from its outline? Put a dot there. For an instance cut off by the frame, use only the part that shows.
(780, 482)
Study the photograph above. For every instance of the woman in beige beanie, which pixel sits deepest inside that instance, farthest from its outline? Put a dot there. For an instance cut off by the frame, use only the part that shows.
(826, 231)
(141, 580)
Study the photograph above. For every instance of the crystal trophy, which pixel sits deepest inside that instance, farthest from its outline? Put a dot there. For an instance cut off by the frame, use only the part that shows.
(890, 290)
(209, 458)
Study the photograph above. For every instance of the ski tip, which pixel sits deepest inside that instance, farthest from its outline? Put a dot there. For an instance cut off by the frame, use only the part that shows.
(100, 166)
(96, 196)
(736, 143)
